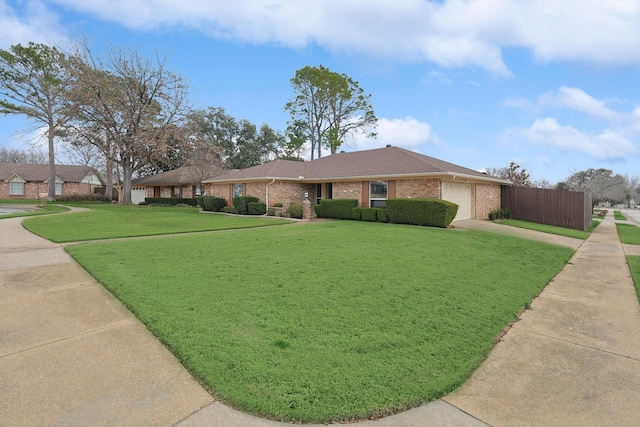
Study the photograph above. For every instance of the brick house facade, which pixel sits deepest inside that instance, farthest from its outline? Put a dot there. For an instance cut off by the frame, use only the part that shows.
(398, 173)
(30, 181)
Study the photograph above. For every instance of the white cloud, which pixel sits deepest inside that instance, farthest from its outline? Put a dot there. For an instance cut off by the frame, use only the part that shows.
(608, 145)
(578, 100)
(450, 34)
(35, 23)
(406, 133)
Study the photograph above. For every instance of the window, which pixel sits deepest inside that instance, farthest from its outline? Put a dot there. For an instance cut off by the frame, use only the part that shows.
(16, 188)
(237, 190)
(318, 193)
(377, 194)
(176, 192)
(58, 188)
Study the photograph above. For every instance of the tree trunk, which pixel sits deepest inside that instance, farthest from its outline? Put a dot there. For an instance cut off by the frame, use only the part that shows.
(126, 181)
(51, 192)
(108, 189)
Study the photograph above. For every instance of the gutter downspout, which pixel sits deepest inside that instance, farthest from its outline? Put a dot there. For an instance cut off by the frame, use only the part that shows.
(266, 195)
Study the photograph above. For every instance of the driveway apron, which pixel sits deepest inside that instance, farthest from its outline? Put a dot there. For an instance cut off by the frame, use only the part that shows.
(574, 358)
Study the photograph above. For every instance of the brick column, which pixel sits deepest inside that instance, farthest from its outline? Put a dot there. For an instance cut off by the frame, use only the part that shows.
(306, 209)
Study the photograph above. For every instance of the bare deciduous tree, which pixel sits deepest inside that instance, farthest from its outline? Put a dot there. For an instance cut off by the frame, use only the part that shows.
(133, 103)
(514, 173)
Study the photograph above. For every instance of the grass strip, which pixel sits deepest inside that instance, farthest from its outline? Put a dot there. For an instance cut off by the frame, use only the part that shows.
(112, 221)
(329, 321)
(634, 266)
(629, 234)
(551, 229)
(44, 210)
(619, 215)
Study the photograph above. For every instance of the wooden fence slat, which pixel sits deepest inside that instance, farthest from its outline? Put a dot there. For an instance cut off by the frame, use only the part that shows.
(569, 209)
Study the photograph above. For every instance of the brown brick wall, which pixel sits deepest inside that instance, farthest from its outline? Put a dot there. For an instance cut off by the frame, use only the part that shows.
(32, 190)
(280, 192)
(418, 189)
(487, 199)
(349, 190)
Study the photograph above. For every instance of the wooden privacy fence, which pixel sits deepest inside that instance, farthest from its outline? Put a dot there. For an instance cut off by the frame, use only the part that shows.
(569, 209)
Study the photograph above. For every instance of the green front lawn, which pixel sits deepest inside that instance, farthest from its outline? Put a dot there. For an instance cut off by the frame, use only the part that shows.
(629, 234)
(551, 229)
(619, 215)
(105, 221)
(327, 321)
(634, 266)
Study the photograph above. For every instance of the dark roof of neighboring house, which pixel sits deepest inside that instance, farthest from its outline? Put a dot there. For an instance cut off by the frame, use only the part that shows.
(40, 172)
(378, 163)
(180, 176)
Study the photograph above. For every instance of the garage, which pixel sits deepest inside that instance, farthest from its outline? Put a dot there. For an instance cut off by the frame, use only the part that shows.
(138, 194)
(462, 195)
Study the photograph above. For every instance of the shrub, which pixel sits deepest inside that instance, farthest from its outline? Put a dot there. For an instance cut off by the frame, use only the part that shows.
(200, 201)
(355, 214)
(83, 198)
(213, 204)
(169, 201)
(431, 212)
(271, 212)
(241, 204)
(277, 205)
(502, 213)
(382, 215)
(369, 214)
(256, 208)
(228, 209)
(336, 208)
(295, 211)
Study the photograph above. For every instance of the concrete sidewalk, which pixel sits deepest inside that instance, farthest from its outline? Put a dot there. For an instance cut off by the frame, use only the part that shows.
(574, 359)
(71, 354)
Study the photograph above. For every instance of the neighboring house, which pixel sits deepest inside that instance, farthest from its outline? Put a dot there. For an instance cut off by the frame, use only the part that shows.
(180, 183)
(370, 176)
(29, 181)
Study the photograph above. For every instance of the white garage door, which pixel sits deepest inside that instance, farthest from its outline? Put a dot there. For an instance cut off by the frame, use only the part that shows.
(138, 195)
(462, 195)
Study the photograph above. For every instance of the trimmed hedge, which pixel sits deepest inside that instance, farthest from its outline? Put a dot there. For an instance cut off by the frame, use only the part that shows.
(241, 204)
(256, 208)
(83, 198)
(170, 201)
(430, 212)
(213, 204)
(294, 211)
(381, 214)
(336, 208)
(369, 214)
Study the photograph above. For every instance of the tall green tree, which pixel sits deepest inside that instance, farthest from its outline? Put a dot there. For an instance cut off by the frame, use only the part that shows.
(34, 82)
(328, 109)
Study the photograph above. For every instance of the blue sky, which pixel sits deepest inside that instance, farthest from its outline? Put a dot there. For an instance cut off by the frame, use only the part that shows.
(552, 85)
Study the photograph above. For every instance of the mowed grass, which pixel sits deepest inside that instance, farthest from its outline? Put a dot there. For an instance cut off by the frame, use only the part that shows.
(634, 266)
(112, 221)
(629, 234)
(619, 215)
(551, 229)
(327, 321)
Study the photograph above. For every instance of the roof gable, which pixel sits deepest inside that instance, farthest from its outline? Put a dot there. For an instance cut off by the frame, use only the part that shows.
(40, 172)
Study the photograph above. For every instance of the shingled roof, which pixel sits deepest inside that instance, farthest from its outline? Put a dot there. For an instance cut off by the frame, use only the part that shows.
(390, 162)
(40, 172)
(180, 176)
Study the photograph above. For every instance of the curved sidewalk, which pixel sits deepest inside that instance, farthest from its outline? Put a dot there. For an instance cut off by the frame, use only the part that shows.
(71, 354)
